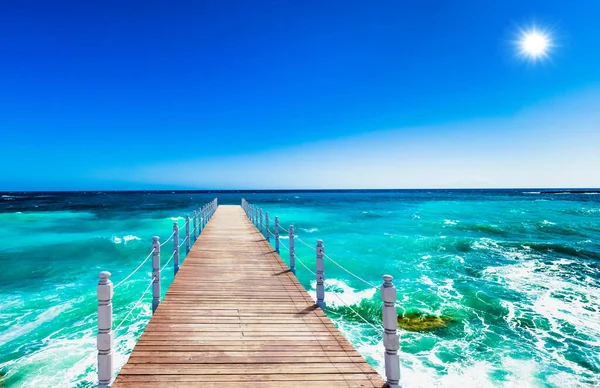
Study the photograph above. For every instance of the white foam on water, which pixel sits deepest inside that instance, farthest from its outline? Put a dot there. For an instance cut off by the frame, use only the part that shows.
(176, 218)
(425, 369)
(77, 358)
(551, 294)
(47, 315)
(50, 360)
(487, 244)
(348, 295)
(311, 230)
(467, 374)
(451, 222)
(124, 239)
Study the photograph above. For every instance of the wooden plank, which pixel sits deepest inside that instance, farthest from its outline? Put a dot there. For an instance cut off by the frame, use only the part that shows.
(249, 378)
(236, 316)
(267, 384)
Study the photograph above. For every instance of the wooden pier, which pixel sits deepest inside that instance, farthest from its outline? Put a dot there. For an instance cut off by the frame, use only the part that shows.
(236, 316)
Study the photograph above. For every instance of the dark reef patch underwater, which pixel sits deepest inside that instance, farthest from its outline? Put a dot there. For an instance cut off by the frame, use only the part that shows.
(423, 322)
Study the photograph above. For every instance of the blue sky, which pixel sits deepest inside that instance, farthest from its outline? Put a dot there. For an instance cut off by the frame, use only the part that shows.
(289, 94)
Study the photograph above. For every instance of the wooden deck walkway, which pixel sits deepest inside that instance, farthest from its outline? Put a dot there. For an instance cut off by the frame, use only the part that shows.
(235, 316)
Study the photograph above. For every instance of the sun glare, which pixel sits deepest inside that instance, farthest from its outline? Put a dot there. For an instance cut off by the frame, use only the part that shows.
(534, 44)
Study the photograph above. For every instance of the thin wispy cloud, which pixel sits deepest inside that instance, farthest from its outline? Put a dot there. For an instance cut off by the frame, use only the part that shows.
(552, 145)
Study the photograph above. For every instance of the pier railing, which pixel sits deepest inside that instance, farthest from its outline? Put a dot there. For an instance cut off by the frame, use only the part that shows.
(105, 289)
(391, 343)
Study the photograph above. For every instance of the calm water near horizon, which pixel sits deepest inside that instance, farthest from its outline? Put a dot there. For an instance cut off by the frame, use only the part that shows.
(513, 274)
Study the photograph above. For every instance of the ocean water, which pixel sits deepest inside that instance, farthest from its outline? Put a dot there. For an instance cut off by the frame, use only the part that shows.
(513, 275)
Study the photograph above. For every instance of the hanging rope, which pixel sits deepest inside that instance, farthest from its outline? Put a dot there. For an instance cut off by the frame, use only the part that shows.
(356, 276)
(136, 304)
(355, 312)
(135, 270)
(304, 265)
(170, 258)
(183, 242)
(297, 239)
(169, 239)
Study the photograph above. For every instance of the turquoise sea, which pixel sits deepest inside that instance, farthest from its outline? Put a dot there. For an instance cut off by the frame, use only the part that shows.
(510, 279)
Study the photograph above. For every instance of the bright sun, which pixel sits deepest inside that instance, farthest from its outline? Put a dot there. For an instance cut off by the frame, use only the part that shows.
(534, 44)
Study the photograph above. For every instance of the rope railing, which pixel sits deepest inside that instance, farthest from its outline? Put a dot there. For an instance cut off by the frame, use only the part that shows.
(136, 304)
(283, 246)
(135, 270)
(296, 238)
(168, 239)
(350, 273)
(304, 265)
(184, 241)
(302, 242)
(356, 312)
(336, 295)
(105, 289)
(168, 261)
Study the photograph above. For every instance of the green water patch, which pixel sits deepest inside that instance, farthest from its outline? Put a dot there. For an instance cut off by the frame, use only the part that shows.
(414, 321)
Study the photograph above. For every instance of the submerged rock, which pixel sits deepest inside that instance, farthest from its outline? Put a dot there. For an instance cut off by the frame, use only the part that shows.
(422, 322)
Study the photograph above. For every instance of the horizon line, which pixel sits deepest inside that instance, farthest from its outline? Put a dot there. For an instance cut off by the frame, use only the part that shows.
(552, 189)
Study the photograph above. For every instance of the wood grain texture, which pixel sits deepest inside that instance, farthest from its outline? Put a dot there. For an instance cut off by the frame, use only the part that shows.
(236, 316)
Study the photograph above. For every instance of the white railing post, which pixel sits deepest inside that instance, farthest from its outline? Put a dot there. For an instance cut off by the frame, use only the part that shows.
(195, 215)
(391, 341)
(320, 275)
(256, 216)
(187, 234)
(155, 273)
(200, 220)
(176, 248)
(267, 233)
(104, 342)
(292, 252)
(262, 225)
(277, 234)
